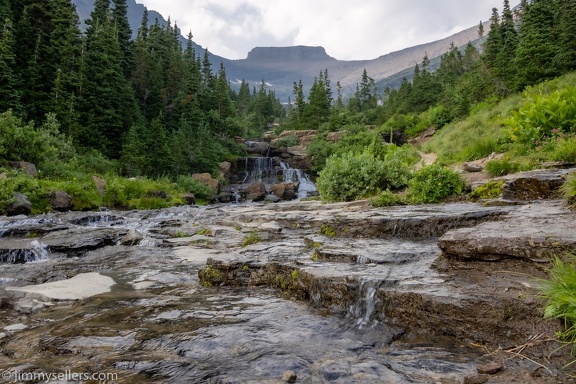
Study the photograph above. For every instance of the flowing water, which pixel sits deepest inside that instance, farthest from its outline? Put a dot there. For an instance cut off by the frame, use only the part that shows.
(160, 324)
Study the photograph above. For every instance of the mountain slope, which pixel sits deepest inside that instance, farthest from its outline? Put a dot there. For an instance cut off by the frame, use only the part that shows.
(280, 67)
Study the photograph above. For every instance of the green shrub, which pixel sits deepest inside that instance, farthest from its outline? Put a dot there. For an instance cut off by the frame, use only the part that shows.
(502, 167)
(560, 294)
(433, 184)
(541, 114)
(287, 141)
(354, 176)
(251, 238)
(195, 187)
(490, 190)
(388, 198)
(569, 189)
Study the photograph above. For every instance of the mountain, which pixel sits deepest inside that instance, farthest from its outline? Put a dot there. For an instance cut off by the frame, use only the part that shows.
(280, 67)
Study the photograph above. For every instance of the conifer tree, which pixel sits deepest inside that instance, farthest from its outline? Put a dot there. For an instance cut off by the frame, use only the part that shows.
(124, 35)
(9, 94)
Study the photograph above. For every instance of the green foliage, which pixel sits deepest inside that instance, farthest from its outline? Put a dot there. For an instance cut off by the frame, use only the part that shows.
(433, 184)
(502, 167)
(327, 230)
(560, 294)
(354, 176)
(200, 191)
(388, 198)
(569, 189)
(251, 238)
(287, 141)
(542, 116)
(490, 190)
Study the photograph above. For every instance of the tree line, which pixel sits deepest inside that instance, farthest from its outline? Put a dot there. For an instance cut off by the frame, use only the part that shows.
(154, 106)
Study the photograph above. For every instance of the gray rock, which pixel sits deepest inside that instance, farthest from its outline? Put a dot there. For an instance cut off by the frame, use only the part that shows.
(471, 167)
(255, 191)
(20, 206)
(289, 377)
(15, 327)
(60, 201)
(133, 237)
(24, 166)
(534, 185)
(272, 198)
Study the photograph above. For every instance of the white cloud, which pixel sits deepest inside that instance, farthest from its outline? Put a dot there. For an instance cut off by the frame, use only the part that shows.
(349, 30)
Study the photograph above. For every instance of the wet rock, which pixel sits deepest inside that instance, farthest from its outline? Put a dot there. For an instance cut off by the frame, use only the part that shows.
(257, 147)
(534, 185)
(20, 206)
(60, 201)
(478, 379)
(28, 168)
(79, 287)
(490, 368)
(272, 199)
(255, 191)
(77, 242)
(15, 327)
(285, 191)
(133, 237)
(289, 377)
(531, 233)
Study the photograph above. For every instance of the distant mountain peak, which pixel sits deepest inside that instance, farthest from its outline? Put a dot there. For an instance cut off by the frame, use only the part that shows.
(294, 53)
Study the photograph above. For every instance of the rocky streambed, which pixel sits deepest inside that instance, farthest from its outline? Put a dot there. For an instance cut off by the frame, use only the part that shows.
(289, 292)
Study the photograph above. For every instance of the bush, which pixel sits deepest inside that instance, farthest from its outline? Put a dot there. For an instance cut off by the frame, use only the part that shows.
(560, 293)
(388, 198)
(433, 184)
(287, 141)
(569, 189)
(490, 190)
(354, 176)
(195, 187)
(502, 167)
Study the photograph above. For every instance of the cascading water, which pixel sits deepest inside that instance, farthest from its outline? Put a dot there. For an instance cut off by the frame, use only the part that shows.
(305, 186)
(365, 304)
(37, 252)
(258, 169)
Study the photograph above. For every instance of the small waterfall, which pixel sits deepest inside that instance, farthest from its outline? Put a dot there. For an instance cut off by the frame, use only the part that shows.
(306, 186)
(258, 169)
(365, 304)
(36, 253)
(97, 220)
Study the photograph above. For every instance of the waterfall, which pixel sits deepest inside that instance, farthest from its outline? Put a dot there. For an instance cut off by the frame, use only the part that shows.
(365, 304)
(258, 169)
(36, 253)
(305, 186)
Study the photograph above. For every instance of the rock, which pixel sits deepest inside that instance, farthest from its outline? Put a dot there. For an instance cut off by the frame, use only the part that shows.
(257, 147)
(531, 233)
(305, 137)
(2, 335)
(272, 199)
(490, 368)
(15, 327)
(478, 379)
(472, 167)
(79, 287)
(534, 185)
(398, 138)
(21, 205)
(255, 191)
(189, 198)
(225, 168)
(60, 201)
(100, 184)
(285, 191)
(206, 179)
(27, 168)
(289, 377)
(133, 237)
(271, 227)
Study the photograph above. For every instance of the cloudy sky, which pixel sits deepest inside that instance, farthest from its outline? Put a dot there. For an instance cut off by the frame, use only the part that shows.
(348, 29)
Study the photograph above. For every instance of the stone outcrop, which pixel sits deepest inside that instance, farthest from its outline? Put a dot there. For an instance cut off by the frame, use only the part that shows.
(26, 167)
(285, 191)
(60, 201)
(255, 191)
(20, 206)
(534, 185)
(206, 179)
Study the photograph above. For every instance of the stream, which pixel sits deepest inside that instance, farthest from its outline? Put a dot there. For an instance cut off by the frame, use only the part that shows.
(160, 323)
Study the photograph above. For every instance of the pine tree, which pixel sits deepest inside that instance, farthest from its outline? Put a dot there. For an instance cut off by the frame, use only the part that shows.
(493, 43)
(566, 58)
(124, 35)
(538, 45)
(504, 67)
(9, 94)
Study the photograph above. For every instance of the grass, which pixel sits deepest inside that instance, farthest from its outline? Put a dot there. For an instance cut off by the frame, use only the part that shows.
(251, 238)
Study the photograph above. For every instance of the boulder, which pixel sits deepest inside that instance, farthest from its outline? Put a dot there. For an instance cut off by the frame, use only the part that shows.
(24, 166)
(189, 198)
(20, 206)
(534, 185)
(206, 179)
(472, 167)
(335, 136)
(285, 191)
(272, 199)
(60, 201)
(133, 237)
(257, 147)
(255, 191)
(225, 168)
